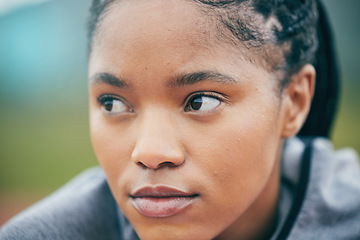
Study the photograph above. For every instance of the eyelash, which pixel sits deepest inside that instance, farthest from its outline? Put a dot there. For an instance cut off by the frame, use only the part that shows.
(221, 98)
(103, 98)
(108, 97)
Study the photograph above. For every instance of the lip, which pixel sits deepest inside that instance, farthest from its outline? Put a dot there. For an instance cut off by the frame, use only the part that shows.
(161, 201)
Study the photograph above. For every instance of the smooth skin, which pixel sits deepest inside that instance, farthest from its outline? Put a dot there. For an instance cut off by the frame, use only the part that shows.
(149, 129)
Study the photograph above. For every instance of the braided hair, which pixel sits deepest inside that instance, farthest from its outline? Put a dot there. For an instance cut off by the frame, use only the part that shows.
(298, 28)
(287, 25)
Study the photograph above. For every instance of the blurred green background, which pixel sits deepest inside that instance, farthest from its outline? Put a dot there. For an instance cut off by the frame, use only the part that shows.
(44, 139)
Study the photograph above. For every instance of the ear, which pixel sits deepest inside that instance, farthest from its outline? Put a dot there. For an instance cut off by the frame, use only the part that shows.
(297, 98)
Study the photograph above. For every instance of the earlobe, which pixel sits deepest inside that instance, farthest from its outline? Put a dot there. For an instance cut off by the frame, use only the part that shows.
(297, 98)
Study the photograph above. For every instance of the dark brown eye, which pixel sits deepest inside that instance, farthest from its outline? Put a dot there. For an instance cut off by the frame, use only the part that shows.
(201, 103)
(196, 103)
(113, 106)
(108, 105)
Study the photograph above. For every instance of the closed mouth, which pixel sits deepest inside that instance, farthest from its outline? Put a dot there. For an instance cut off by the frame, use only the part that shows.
(161, 201)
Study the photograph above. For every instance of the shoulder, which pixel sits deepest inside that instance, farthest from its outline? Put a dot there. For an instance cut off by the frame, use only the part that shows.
(330, 209)
(334, 178)
(82, 209)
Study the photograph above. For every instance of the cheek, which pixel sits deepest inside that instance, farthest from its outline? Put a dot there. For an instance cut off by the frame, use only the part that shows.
(111, 148)
(239, 154)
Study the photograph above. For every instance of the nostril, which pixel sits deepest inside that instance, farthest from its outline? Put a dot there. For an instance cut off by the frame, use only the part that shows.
(167, 164)
(142, 165)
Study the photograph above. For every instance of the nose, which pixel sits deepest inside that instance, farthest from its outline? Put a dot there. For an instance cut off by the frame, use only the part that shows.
(157, 145)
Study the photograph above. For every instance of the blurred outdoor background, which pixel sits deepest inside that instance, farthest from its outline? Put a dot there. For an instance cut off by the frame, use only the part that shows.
(44, 139)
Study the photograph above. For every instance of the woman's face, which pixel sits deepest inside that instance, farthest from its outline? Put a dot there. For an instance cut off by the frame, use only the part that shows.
(186, 129)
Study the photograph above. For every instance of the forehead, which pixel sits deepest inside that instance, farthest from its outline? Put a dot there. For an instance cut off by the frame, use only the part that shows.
(171, 20)
(143, 28)
(152, 32)
(178, 23)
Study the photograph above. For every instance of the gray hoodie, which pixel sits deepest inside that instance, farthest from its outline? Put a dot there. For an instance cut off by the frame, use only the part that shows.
(319, 199)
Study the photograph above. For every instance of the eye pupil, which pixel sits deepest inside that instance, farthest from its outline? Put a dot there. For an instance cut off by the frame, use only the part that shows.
(196, 103)
(108, 105)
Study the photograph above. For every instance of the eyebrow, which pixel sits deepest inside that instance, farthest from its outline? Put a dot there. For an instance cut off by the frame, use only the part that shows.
(193, 78)
(180, 81)
(109, 79)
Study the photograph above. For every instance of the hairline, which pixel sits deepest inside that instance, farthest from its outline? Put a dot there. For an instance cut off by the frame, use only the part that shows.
(261, 54)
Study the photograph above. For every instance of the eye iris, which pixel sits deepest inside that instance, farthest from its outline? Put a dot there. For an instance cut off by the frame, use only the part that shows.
(108, 105)
(196, 103)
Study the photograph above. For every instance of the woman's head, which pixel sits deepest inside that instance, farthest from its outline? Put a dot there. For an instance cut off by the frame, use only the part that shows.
(186, 118)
